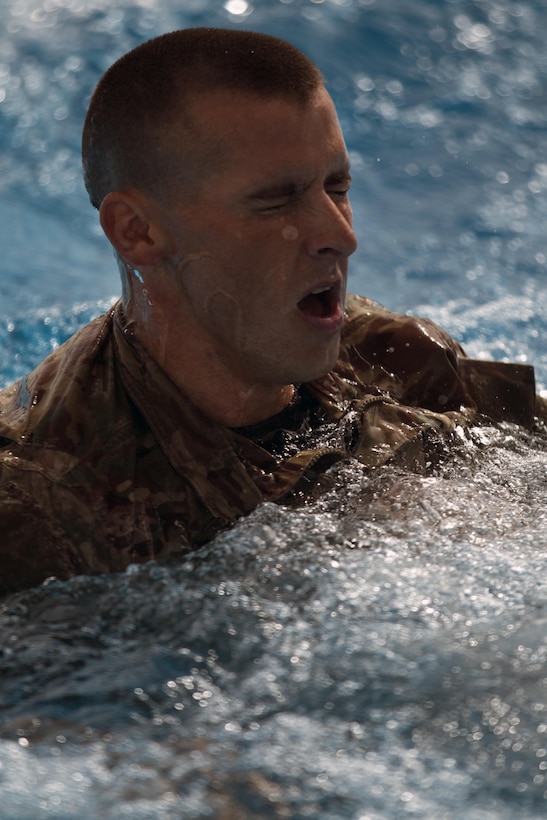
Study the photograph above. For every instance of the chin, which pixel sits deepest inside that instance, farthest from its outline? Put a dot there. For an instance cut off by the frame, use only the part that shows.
(316, 369)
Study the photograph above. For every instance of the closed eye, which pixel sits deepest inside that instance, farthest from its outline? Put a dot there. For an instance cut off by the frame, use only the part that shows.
(338, 194)
(273, 206)
(274, 199)
(338, 186)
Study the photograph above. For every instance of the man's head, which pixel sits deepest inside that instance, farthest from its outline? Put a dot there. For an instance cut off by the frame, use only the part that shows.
(149, 90)
(223, 186)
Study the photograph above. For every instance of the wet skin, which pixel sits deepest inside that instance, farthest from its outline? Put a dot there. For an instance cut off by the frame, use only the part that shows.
(252, 290)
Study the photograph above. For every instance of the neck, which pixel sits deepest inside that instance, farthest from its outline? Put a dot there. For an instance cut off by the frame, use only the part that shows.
(221, 393)
(238, 405)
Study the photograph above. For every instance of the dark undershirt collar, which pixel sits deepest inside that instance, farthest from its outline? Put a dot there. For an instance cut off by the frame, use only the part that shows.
(291, 430)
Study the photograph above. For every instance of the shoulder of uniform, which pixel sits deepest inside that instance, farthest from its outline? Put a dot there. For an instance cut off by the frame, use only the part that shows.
(361, 305)
(60, 378)
(371, 323)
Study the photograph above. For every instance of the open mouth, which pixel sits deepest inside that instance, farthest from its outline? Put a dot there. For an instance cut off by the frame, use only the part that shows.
(320, 303)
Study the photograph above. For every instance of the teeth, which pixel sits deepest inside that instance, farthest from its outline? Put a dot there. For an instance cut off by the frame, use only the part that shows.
(320, 290)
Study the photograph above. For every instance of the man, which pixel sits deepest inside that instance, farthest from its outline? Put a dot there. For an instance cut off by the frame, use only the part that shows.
(233, 370)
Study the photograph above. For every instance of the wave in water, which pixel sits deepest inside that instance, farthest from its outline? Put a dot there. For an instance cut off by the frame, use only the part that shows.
(381, 657)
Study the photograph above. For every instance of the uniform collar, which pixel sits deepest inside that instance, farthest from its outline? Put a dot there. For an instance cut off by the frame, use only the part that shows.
(198, 448)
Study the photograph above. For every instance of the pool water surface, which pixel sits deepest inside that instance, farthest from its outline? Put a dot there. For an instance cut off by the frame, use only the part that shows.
(381, 653)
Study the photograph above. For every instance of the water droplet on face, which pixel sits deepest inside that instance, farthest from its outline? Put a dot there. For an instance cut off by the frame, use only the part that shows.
(289, 232)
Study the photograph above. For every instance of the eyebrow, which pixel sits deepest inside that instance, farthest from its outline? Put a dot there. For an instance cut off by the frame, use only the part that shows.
(338, 178)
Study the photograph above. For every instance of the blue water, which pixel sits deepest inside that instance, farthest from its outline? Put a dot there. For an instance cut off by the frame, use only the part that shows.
(380, 654)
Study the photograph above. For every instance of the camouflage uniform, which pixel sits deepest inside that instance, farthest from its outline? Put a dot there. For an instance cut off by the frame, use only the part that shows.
(103, 462)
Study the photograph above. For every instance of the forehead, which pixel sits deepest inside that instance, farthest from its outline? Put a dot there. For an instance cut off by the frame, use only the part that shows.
(252, 131)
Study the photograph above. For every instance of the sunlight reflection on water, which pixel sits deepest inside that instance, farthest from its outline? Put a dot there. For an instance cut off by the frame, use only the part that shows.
(381, 653)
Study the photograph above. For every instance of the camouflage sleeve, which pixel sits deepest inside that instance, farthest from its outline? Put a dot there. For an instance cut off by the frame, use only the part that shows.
(421, 365)
(541, 408)
(412, 359)
(501, 391)
(33, 544)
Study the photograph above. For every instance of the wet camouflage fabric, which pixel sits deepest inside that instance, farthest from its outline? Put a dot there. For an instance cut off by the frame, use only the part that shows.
(103, 462)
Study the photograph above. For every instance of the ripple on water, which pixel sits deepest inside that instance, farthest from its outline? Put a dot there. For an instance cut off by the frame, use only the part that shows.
(385, 655)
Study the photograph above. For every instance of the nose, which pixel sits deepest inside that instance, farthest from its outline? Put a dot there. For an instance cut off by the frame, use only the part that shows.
(330, 231)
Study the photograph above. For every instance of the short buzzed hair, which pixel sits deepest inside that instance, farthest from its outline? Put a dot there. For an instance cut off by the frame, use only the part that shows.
(148, 89)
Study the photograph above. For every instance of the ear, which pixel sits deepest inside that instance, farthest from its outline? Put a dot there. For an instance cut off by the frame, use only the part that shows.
(134, 228)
